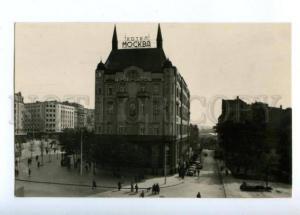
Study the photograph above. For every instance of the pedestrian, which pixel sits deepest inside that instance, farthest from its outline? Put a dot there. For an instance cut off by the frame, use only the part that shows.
(94, 184)
(119, 186)
(38, 164)
(29, 171)
(198, 172)
(198, 195)
(153, 189)
(142, 194)
(131, 187)
(157, 188)
(36, 158)
(136, 188)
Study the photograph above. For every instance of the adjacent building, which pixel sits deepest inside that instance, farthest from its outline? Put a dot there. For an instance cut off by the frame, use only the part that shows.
(19, 114)
(79, 114)
(143, 104)
(48, 117)
(255, 139)
(89, 119)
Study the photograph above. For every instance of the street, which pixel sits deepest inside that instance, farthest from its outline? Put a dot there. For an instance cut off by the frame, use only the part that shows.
(53, 180)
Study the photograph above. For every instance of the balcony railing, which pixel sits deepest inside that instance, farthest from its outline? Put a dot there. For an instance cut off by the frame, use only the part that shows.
(122, 94)
(143, 94)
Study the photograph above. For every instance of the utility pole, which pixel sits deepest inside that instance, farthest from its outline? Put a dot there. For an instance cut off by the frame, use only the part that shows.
(80, 151)
(164, 141)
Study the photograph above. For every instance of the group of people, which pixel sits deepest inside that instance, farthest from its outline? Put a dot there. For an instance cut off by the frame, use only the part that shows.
(132, 188)
(155, 189)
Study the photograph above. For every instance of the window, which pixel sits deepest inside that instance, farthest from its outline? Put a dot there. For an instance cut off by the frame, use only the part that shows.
(142, 130)
(110, 109)
(155, 110)
(109, 91)
(156, 88)
(143, 108)
(122, 89)
(156, 131)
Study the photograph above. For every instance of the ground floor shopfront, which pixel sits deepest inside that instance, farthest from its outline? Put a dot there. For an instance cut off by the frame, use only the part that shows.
(153, 155)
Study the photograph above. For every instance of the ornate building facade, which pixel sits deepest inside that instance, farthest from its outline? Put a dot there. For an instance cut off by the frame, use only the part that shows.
(142, 103)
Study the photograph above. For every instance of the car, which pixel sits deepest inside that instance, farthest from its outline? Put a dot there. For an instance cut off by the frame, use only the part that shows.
(199, 166)
(192, 166)
(190, 172)
(254, 188)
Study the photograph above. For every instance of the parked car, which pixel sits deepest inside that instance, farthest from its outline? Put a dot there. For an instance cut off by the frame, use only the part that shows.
(190, 172)
(254, 188)
(199, 166)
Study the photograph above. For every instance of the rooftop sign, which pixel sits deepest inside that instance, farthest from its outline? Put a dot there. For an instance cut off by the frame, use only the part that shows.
(136, 42)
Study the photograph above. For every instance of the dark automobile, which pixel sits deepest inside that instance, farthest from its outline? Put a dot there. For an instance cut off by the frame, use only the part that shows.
(254, 188)
(199, 166)
(190, 172)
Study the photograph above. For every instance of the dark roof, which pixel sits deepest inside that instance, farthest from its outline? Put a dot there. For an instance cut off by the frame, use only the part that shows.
(167, 64)
(149, 59)
(101, 66)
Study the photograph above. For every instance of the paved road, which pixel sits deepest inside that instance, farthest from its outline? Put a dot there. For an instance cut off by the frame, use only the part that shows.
(208, 184)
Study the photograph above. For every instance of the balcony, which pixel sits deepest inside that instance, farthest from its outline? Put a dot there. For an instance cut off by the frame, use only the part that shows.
(143, 94)
(122, 94)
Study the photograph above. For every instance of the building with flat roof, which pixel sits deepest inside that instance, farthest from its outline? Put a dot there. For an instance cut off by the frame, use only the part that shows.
(48, 117)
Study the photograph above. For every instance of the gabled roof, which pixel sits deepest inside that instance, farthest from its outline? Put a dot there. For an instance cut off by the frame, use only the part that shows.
(149, 59)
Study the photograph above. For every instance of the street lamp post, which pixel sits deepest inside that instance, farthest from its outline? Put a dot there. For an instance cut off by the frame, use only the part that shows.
(80, 151)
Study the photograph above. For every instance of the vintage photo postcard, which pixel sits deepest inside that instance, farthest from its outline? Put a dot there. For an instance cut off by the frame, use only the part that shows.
(152, 110)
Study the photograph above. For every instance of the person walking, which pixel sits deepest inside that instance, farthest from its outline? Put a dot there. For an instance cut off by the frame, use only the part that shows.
(157, 188)
(136, 188)
(131, 187)
(142, 194)
(119, 186)
(36, 158)
(198, 195)
(94, 186)
(38, 164)
(153, 189)
(29, 171)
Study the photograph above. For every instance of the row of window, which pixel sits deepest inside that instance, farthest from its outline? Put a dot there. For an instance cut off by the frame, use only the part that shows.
(50, 110)
(110, 92)
(124, 130)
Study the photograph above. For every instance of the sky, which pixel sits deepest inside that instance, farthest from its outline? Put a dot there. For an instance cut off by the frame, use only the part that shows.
(217, 61)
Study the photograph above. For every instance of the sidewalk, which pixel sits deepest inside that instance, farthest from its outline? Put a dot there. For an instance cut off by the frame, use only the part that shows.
(52, 176)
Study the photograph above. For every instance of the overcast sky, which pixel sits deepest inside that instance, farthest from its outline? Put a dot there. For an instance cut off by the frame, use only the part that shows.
(58, 60)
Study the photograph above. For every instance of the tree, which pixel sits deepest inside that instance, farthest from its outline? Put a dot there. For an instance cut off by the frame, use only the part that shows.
(70, 143)
(31, 148)
(18, 149)
(42, 148)
(268, 164)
